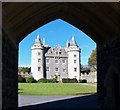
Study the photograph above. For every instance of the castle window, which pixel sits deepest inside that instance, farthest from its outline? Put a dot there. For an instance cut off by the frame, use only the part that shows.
(75, 69)
(56, 52)
(47, 69)
(56, 69)
(39, 53)
(63, 61)
(39, 68)
(56, 61)
(47, 61)
(64, 70)
(39, 60)
(75, 61)
(56, 57)
(75, 56)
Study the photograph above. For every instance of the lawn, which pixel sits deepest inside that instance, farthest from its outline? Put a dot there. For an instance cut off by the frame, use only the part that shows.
(54, 89)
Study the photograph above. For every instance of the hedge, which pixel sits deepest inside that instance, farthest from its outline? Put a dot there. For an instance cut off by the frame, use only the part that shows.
(68, 80)
(82, 81)
(43, 80)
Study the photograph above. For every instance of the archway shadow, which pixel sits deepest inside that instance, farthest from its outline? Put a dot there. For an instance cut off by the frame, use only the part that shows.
(81, 103)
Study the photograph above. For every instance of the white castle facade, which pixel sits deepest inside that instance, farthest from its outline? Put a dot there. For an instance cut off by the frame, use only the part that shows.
(47, 62)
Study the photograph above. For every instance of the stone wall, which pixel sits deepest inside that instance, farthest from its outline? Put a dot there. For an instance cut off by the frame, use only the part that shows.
(102, 66)
(9, 73)
(91, 77)
(112, 79)
(108, 82)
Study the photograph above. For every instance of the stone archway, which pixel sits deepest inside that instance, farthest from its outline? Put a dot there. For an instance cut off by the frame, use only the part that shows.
(112, 85)
(98, 20)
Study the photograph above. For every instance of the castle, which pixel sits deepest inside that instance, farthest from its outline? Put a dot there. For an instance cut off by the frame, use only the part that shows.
(47, 62)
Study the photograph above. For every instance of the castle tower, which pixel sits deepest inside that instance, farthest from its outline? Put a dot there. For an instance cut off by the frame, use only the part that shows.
(73, 60)
(37, 59)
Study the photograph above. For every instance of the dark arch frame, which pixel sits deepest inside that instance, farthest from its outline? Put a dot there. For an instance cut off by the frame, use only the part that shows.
(88, 17)
(98, 20)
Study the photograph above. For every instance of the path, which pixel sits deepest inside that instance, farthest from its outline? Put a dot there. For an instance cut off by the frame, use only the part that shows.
(80, 101)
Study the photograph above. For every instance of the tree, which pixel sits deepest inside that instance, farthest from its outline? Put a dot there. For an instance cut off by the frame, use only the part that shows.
(85, 69)
(30, 80)
(92, 61)
(24, 70)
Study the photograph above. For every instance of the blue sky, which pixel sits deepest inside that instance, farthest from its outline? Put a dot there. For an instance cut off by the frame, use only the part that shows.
(55, 32)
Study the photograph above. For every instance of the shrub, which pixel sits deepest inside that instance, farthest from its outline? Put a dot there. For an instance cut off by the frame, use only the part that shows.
(30, 80)
(43, 80)
(82, 81)
(21, 79)
(68, 80)
(51, 80)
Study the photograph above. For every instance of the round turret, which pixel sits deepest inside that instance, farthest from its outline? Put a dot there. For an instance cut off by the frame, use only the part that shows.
(73, 60)
(37, 59)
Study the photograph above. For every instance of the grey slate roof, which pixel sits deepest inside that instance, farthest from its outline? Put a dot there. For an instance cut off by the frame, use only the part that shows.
(58, 50)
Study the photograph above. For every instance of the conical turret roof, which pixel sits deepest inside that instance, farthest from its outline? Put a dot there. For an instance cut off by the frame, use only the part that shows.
(73, 42)
(37, 40)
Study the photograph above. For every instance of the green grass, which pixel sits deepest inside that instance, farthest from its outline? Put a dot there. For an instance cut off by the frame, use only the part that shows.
(54, 89)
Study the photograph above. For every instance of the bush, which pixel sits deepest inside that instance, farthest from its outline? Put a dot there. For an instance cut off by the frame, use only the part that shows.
(68, 80)
(30, 80)
(82, 81)
(43, 80)
(21, 79)
(51, 80)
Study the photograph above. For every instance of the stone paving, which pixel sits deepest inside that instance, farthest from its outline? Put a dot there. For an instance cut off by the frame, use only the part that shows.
(73, 102)
(24, 100)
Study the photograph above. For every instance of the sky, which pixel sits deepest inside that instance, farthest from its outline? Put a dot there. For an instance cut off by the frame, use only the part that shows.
(56, 32)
